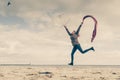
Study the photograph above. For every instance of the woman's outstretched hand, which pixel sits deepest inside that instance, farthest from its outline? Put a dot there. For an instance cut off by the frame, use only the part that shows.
(81, 23)
(65, 26)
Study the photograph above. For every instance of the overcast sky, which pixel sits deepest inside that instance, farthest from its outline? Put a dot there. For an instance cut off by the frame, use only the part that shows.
(32, 31)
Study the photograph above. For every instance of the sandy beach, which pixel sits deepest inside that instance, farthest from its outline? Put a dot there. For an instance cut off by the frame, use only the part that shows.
(59, 73)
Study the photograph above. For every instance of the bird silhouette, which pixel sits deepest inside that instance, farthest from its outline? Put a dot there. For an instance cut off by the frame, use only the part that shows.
(9, 3)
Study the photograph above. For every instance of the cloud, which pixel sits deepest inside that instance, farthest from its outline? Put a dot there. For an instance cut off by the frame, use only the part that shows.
(33, 30)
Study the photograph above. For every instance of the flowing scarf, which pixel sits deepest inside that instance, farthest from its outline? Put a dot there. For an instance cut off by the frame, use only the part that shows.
(95, 26)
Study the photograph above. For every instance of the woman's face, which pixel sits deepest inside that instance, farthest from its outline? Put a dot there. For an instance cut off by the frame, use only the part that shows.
(73, 32)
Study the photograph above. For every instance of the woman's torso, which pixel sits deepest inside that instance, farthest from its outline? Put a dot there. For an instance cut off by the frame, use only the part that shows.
(74, 39)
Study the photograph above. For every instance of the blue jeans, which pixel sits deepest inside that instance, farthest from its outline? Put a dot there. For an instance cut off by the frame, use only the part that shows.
(75, 47)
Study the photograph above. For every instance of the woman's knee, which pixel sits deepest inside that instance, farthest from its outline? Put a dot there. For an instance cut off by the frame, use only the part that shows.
(82, 52)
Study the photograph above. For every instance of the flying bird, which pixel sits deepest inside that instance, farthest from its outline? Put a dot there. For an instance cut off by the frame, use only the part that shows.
(9, 3)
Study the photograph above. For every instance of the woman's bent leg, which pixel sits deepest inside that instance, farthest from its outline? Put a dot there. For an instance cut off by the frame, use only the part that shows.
(84, 51)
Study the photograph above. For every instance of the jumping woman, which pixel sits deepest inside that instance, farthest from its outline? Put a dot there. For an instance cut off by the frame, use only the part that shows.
(76, 45)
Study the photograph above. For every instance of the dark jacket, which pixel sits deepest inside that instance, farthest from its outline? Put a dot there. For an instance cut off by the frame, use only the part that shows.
(74, 37)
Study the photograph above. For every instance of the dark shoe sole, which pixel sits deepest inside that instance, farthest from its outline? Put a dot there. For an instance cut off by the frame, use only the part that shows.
(70, 64)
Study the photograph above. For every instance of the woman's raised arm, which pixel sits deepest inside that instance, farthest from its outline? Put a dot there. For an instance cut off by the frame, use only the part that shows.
(67, 30)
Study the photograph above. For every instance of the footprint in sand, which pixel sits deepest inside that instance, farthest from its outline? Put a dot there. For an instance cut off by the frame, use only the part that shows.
(114, 73)
(47, 74)
(96, 73)
(74, 78)
(31, 74)
(64, 76)
(29, 68)
(1, 75)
